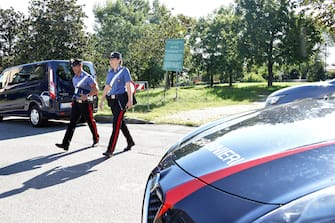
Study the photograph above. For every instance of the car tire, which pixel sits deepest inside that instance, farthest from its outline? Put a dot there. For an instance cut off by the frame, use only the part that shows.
(35, 116)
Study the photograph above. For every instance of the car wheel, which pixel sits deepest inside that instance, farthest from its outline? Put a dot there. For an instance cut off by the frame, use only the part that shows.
(35, 116)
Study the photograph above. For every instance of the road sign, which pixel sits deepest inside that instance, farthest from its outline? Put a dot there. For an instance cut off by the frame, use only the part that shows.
(174, 55)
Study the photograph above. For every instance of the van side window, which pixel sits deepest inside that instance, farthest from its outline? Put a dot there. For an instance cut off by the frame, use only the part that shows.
(38, 72)
(64, 71)
(4, 78)
(13, 76)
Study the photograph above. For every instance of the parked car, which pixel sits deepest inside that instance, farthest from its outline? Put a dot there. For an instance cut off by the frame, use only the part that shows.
(311, 90)
(41, 90)
(271, 165)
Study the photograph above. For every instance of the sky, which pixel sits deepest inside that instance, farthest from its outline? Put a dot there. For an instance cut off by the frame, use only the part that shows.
(194, 8)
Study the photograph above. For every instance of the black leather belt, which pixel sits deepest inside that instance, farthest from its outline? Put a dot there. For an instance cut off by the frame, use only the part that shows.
(80, 101)
(114, 96)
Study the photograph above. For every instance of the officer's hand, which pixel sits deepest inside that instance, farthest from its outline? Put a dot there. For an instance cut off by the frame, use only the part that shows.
(83, 97)
(101, 105)
(129, 105)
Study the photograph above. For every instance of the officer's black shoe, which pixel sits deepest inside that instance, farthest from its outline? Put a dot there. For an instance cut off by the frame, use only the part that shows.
(63, 146)
(95, 142)
(107, 154)
(129, 146)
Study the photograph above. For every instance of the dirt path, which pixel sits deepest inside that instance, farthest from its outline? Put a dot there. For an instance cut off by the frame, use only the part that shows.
(205, 115)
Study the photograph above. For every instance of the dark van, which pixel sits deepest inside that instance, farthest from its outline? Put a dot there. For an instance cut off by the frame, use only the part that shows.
(41, 90)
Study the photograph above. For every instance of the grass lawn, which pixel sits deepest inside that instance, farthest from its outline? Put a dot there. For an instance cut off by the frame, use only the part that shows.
(164, 103)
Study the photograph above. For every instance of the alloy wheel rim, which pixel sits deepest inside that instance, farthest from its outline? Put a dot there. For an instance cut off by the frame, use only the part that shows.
(34, 116)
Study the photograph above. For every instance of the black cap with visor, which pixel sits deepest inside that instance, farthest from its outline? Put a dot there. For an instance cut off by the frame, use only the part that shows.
(115, 55)
(75, 62)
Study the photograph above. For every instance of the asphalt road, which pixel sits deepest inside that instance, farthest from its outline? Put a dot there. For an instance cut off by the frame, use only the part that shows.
(42, 183)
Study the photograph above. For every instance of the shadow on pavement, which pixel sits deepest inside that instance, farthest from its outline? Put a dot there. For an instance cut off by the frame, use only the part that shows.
(55, 176)
(36, 163)
(20, 127)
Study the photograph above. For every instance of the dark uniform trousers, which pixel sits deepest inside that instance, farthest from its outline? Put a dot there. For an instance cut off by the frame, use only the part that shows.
(78, 109)
(118, 107)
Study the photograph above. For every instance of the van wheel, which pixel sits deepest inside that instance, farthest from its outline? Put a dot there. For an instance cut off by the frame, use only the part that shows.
(35, 116)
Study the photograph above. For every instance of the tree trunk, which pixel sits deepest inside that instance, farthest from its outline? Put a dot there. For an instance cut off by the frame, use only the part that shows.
(270, 63)
(270, 73)
(211, 82)
(172, 79)
(230, 78)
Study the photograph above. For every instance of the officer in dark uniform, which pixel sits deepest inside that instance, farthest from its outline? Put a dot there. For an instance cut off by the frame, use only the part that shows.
(120, 98)
(85, 88)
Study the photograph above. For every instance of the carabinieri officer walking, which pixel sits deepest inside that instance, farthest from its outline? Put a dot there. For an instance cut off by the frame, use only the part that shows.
(84, 88)
(120, 98)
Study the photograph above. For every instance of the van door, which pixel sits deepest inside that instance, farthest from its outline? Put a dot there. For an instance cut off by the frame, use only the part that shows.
(63, 86)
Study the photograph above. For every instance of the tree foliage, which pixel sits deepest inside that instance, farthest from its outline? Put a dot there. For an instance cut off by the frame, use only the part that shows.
(139, 33)
(54, 30)
(215, 44)
(323, 10)
(270, 33)
(220, 47)
(10, 27)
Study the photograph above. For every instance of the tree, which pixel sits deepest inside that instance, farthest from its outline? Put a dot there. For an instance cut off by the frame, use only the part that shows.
(228, 40)
(54, 30)
(215, 44)
(139, 33)
(323, 10)
(269, 33)
(304, 30)
(117, 23)
(10, 27)
(265, 26)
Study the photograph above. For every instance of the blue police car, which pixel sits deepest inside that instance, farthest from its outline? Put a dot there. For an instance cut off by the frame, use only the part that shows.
(317, 90)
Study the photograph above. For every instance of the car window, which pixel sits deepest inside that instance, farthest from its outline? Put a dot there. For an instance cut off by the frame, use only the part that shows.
(13, 75)
(64, 71)
(28, 73)
(4, 78)
(87, 69)
(37, 72)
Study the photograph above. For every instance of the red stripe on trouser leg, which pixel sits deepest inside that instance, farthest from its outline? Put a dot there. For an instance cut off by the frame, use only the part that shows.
(94, 125)
(116, 131)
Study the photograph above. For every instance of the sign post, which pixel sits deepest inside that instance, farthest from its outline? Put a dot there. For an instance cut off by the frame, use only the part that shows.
(174, 57)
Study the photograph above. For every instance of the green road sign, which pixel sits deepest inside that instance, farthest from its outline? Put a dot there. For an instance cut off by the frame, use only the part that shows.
(174, 55)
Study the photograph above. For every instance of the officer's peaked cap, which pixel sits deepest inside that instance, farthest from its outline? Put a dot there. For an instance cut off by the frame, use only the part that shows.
(75, 62)
(116, 55)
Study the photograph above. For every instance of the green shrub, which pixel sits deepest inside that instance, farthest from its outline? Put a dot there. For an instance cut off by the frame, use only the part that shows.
(253, 77)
